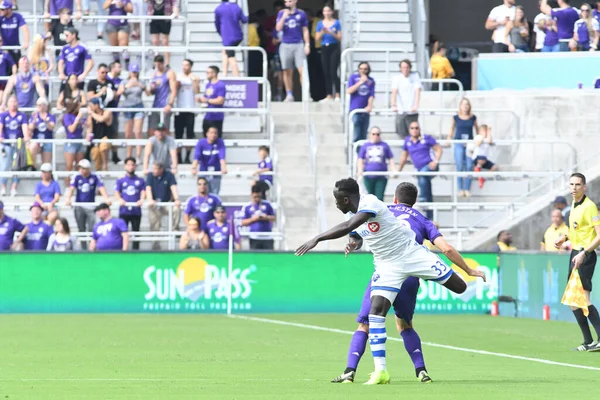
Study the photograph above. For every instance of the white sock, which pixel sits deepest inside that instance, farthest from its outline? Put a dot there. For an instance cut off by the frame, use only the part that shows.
(377, 339)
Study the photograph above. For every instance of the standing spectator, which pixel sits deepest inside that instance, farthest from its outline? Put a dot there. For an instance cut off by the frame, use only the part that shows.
(202, 205)
(10, 25)
(440, 66)
(59, 28)
(551, 43)
(13, 125)
(256, 38)
(163, 86)
(36, 234)
(161, 148)
(560, 203)
(406, 96)
(61, 239)
(374, 156)
(101, 23)
(188, 87)
(496, 22)
(504, 243)
(214, 97)
(194, 237)
(47, 192)
(272, 40)
(219, 230)
(101, 87)
(133, 89)
(516, 33)
(228, 17)
(42, 61)
(99, 127)
(74, 59)
(73, 121)
(565, 16)
(539, 28)
(55, 8)
(259, 216)
(23, 85)
(585, 32)
(7, 68)
(110, 233)
(158, 27)
(8, 227)
(161, 187)
(420, 148)
(131, 189)
(41, 124)
(86, 184)
(361, 88)
(209, 156)
(596, 11)
(114, 75)
(481, 152)
(118, 29)
(295, 43)
(557, 229)
(463, 124)
(264, 165)
(139, 10)
(329, 32)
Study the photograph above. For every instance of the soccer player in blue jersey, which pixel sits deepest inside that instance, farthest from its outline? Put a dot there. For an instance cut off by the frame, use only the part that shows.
(404, 304)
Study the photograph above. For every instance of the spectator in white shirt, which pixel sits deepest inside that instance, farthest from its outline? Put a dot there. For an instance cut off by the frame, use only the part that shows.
(496, 22)
(406, 96)
(539, 27)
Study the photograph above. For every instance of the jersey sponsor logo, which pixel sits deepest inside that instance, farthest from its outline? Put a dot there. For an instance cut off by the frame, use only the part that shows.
(374, 226)
(575, 225)
(363, 90)
(595, 218)
(130, 190)
(376, 277)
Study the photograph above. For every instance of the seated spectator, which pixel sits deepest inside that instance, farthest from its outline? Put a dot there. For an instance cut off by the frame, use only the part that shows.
(516, 35)
(210, 157)
(361, 88)
(54, 8)
(440, 67)
(13, 125)
(47, 192)
(23, 85)
(496, 22)
(7, 68)
(214, 97)
(73, 122)
(12, 24)
(59, 27)
(374, 156)
(219, 230)
(504, 243)
(259, 216)
(202, 205)
(551, 42)
(99, 125)
(160, 29)
(61, 239)
(36, 234)
(163, 86)
(463, 124)
(161, 187)
(406, 97)
(194, 238)
(71, 92)
(110, 233)
(41, 124)
(161, 148)
(228, 19)
(42, 62)
(133, 90)
(585, 32)
(557, 229)
(131, 189)
(8, 227)
(481, 152)
(560, 203)
(565, 16)
(264, 165)
(118, 29)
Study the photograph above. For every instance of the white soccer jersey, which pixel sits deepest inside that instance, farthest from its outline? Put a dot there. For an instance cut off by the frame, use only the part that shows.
(387, 238)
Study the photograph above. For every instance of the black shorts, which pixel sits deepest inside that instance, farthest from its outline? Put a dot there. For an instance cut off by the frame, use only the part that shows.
(63, 85)
(586, 270)
(16, 56)
(231, 53)
(160, 26)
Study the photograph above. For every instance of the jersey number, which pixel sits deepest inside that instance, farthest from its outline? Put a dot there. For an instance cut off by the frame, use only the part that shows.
(439, 267)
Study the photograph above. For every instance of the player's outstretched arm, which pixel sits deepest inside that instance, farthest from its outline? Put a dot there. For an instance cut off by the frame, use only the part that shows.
(336, 232)
(454, 256)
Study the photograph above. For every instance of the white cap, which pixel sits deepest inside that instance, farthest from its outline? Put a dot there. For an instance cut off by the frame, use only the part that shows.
(46, 167)
(85, 164)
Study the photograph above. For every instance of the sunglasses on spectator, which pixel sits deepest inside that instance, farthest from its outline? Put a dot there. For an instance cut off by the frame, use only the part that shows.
(414, 127)
(219, 212)
(375, 133)
(585, 10)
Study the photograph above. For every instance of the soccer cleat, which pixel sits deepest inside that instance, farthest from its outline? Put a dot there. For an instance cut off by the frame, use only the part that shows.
(584, 347)
(345, 378)
(381, 377)
(594, 346)
(424, 377)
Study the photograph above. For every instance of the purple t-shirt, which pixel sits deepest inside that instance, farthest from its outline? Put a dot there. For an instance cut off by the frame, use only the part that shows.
(41, 131)
(212, 91)
(264, 207)
(12, 125)
(266, 163)
(37, 236)
(210, 155)
(9, 28)
(423, 228)
(108, 234)
(219, 235)
(551, 38)
(375, 156)
(292, 27)
(86, 187)
(68, 120)
(74, 59)
(47, 192)
(6, 64)
(130, 188)
(565, 20)
(57, 5)
(202, 208)
(25, 90)
(420, 152)
(360, 98)
(113, 10)
(583, 33)
(596, 15)
(227, 21)
(8, 227)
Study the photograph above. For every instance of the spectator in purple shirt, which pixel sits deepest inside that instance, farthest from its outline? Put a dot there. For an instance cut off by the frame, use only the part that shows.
(419, 148)
(259, 216)
(131, 189)
(118, 29)
(202, 205)
(24, 86)
(10, 25)
(209, 156)
(194, 237)
(8, 227)
(74, 59)
(13, 125)
(47, 192)
(374, 156)
(228, 17)
(7, 67)
(565, 16)
(551, 44)
(110, 233)
(264, 165)
(36, 233)
(585, 32)
(41, 124)
(214, 97)
(361, 88)
(219, 231)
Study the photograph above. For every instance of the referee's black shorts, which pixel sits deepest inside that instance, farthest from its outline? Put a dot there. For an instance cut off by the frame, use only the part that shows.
(586, 269)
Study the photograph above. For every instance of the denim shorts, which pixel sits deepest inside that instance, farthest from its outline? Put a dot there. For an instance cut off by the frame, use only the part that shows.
(74, 148)
(129, 115)
(47, 148)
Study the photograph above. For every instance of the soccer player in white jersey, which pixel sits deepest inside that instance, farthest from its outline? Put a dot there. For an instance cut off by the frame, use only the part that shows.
(396, 256)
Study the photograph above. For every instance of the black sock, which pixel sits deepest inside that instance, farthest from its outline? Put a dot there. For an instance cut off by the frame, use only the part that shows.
(583, 324)
(349, 370)
(418, 370)
(594, 319)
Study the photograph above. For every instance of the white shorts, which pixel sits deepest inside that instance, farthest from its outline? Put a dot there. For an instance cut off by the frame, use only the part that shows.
(419, 262)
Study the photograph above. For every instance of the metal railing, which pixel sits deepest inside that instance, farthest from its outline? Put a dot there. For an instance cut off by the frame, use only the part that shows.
(418, 22)
(321, 214)
(350, 20)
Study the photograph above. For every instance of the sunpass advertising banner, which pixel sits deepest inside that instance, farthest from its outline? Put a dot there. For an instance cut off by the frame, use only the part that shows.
(190, 282)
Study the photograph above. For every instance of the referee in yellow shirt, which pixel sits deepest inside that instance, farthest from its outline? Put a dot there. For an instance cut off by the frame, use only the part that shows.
(584, 234)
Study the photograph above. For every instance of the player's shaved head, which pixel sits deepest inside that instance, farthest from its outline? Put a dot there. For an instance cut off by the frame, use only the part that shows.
(347, 195)
(348, 186)
(406, 193)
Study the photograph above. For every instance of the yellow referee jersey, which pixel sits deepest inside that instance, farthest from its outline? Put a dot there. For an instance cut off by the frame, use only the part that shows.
(584, 217)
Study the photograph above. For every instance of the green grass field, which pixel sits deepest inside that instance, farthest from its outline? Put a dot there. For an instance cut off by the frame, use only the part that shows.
(216, 357)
